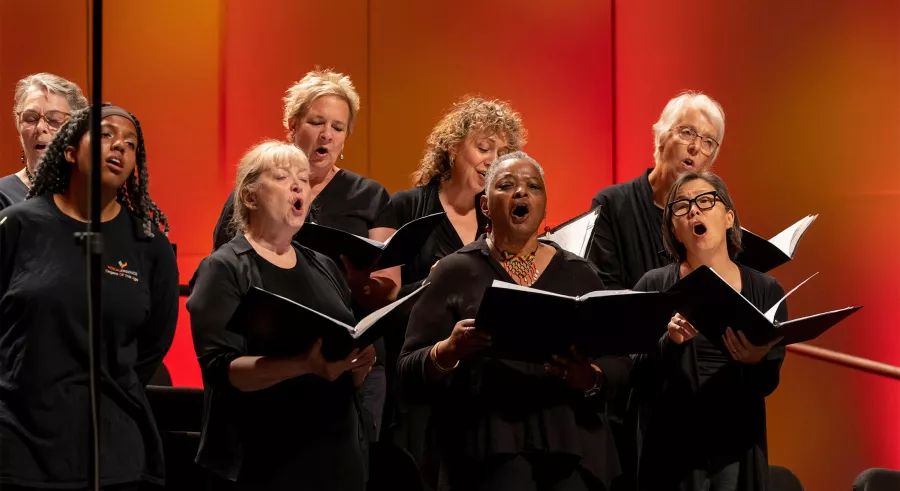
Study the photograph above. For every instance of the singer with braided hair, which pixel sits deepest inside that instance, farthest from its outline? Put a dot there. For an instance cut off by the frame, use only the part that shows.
(44, 378)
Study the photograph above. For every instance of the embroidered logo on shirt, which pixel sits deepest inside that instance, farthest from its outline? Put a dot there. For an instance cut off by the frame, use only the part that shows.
(121, 271)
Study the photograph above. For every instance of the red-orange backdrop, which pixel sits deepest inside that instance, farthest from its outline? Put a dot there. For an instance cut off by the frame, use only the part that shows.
(811, 92)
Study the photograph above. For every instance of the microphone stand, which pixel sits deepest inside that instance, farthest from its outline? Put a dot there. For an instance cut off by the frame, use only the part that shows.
(92, 243)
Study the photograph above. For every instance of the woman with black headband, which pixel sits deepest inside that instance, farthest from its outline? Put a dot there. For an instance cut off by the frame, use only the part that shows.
(44, 377)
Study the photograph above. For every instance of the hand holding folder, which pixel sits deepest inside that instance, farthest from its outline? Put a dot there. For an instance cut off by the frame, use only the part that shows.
(365, 253)
(711, 305)
(282, 327)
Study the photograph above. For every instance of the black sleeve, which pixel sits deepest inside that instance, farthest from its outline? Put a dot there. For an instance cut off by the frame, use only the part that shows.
(9, 240)
(157, 333)
(616, 369)
(604, 253)
(384, 213)
(223, 233)
(763, 378)
(215, 294)
(432, 319)
(648, 368)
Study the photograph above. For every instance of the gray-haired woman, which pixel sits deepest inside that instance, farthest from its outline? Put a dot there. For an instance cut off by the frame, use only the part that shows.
(43, 103)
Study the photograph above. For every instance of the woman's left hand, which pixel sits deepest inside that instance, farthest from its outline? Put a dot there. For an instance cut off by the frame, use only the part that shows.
(743, 350)
(574, 369)
(362, 365)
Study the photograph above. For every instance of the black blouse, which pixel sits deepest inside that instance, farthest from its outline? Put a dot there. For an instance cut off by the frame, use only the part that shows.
(325, 425)
(417, 203)
(489, 407)
(349, 202)
(627, 238)
(44, 378)
(725, 401)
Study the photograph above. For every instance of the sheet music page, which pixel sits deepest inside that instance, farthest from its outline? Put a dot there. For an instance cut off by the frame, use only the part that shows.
(370, 319)
(787, 240)
(770, 314)
(575, 237)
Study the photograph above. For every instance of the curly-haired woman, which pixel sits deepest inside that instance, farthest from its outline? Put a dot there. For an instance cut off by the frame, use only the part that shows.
(44, 380)
(450, 178)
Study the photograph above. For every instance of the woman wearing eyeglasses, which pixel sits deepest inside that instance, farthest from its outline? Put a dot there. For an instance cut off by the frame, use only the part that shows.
(701, 410)
(43, 103)
(627, 238)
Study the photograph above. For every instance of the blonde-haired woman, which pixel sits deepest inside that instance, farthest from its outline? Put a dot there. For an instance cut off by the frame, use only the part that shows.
(43, 103)
(319, 114)
(450, 178)
(275, 422)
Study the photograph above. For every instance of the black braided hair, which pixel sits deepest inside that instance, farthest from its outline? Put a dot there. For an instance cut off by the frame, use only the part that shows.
(54, 173)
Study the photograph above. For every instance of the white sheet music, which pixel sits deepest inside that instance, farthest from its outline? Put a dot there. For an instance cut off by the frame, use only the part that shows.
(787, 240)
(575, 236)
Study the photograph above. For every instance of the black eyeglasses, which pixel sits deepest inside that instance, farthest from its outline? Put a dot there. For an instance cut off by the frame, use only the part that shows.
(54, 119)
(688, 134)
(704, 201)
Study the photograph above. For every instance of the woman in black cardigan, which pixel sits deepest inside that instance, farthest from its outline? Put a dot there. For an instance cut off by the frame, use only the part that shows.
(277, 422)
(500, 424)
(701, 410)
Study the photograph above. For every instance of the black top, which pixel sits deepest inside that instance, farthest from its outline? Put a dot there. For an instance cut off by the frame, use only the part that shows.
(247, 435)
(489, 407)
(44, 396)
(628, 235)
(349, 202)
(727, 411)
(12, 191)
(419, 202)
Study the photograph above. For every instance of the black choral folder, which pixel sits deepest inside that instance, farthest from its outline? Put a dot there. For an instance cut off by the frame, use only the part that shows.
(709, 303)
(282, 327)
(403, 246)
(765, 255)
(530, 325)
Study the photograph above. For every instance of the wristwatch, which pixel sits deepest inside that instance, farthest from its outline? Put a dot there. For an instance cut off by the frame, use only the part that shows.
(598, 382)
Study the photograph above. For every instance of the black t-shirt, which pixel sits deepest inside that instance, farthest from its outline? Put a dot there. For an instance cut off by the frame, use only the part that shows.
(44, 398)
(350, 202)
(12, 191)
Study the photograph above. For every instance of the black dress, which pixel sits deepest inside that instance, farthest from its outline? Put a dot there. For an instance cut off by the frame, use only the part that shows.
(490, 412)
(350, 202)
(403, 416)
(419, 202)
(724, 401)
(627, 238)
(303, 433)
(12, 191)
(44, 380)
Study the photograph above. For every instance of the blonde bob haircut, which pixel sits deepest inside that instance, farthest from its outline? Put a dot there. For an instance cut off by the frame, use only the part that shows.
(267, 155)
(469, 116)
(674, 109)
(317, 83)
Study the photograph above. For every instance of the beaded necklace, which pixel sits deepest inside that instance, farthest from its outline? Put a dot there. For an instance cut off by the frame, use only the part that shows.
(520, 267)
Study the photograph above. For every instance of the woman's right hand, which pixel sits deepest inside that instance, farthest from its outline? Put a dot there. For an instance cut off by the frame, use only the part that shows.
(680, 330)
(313, 362)
(463, 341)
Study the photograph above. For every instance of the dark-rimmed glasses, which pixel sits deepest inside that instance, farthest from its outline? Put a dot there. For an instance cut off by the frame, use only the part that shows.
(688, 134)
(704, 201)
(54, 119)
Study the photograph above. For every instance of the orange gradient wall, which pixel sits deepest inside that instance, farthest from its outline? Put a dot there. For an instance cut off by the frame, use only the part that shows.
(811, 92)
